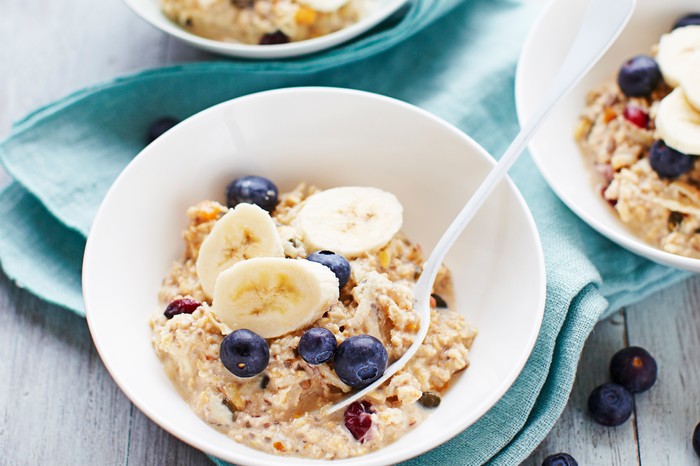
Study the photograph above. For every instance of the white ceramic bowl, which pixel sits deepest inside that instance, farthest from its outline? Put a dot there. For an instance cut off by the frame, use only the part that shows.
(328, 137)
(553, 148)
(150, 11)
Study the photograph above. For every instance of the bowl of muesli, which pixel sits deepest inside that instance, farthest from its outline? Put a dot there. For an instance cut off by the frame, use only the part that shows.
(621, 149)
(264, 29)
(255, 265)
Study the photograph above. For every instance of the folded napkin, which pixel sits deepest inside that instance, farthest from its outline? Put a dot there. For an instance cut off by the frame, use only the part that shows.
(64, 157)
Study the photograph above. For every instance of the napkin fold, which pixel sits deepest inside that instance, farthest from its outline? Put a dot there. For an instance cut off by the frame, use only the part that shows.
(459, 66)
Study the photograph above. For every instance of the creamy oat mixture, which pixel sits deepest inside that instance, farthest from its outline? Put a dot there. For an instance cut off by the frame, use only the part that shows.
(616, 133)
(277, 411)
(263, 21)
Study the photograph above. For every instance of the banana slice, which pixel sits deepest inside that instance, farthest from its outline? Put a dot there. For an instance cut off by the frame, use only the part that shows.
(244, 232)
(272, 296)
(324, 6)
(690, 81)
(675, 50)
(678, 123)
(349, 220)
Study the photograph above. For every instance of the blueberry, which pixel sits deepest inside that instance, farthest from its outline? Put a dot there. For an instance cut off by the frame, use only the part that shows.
(159, 127)
(337, 263)
(317, 345)
(181, 306)
(252, 190)
(668, 162)
(696, 439)
(244, 353)
(634, 369)
(274, 38)
(559, 459)
(360, 360)
(693, 19)
(639, 76)
(610, 404)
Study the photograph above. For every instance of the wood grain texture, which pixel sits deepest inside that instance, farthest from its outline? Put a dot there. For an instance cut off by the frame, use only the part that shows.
(668, 326)
(575, 432)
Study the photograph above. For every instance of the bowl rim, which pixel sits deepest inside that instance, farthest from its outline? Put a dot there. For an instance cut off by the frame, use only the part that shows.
(253, 51)
(631, 243)
(181, 432)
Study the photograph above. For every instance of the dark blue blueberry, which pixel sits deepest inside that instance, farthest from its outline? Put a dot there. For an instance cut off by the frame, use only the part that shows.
(610, 404)
(692, 19)
(274, 38)
(181, 306)
(633, 368)
(639, 76)
(337, 263)
(317, 345)
(244, 353)
(252, 190)
(360, 360)
(159, 127)
(668, 162)
(559, 459)
(696, 439)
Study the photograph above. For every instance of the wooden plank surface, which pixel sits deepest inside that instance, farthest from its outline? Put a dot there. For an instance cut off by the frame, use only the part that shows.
(58, 404)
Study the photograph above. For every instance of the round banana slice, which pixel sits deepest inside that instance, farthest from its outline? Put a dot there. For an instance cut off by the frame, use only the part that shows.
(690, 81)
(324, 6)
(675, 50)
(678, 123)
(349, 220)
(242, 233)
(272, 296)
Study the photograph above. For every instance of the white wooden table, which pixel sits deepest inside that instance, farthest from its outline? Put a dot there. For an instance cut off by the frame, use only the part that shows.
(59, 406)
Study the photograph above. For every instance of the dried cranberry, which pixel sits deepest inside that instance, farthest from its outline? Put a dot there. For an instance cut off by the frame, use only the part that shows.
(636, 116)
(181, 306)
(358, 419)
(274, 38)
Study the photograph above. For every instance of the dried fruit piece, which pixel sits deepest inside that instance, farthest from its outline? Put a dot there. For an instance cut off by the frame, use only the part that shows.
(439, 302)
(358, 419)
(430, 400)
(181, 306)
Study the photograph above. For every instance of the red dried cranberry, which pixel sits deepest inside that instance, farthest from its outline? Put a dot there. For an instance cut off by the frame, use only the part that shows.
(358, 419)
(181, 306)
(636, 116)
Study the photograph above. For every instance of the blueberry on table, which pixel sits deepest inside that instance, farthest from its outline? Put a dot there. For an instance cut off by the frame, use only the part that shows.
(358, 419)
(181, 306)
(696, 440)
(244, 353)
(159, 127)
(610, 404)
(338, 264)
(639, 76)
(317, 345)
(668, 162)
(360, 360)
(633, 368)
(693, 19)
(274, 38)
(252, 190)
(559, 459)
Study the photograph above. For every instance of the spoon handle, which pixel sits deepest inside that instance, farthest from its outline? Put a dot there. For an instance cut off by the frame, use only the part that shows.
(602, 24)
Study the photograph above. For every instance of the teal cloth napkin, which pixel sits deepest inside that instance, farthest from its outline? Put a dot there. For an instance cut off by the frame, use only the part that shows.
(459, 66)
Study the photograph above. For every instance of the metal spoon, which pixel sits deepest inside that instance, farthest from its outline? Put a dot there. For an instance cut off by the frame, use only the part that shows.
(602, 24)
